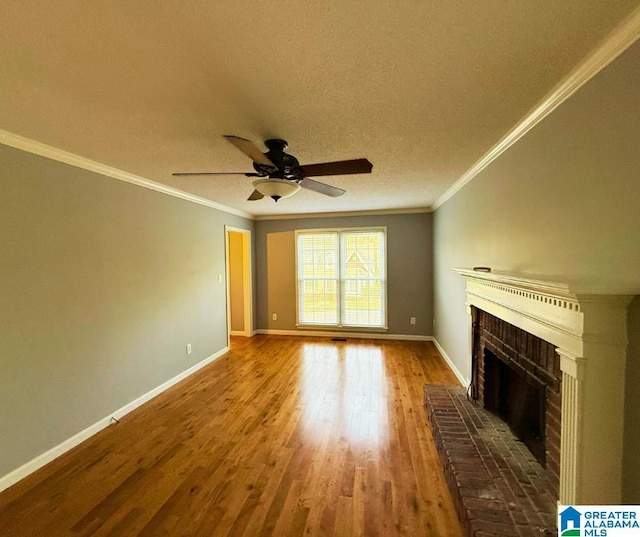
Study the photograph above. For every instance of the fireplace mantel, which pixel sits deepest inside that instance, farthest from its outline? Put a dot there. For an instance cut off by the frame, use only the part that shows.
(564, 314)
(587, 323)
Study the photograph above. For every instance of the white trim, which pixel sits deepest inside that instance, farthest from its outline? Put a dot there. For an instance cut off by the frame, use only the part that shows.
(465, 382)
(312, 230)
(619, 40)
(548, 309)
(227, 283)
(37, 148)
(43, 150)
(373, 212)
(38, 462)
(346, 335)
(247, 273)
(344, 329)
(571, 365)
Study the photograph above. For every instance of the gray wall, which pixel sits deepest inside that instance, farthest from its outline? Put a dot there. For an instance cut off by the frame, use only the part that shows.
(103, 284)
(409, 269)
(564, 201)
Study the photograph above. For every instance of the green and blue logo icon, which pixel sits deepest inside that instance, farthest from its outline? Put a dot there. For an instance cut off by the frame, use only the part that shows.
(570, 522)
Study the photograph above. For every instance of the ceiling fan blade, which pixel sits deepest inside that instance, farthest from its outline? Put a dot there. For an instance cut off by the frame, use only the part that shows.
(217, 173)
(249, 149)
(255, 195)
(342, 167)
(321, 188)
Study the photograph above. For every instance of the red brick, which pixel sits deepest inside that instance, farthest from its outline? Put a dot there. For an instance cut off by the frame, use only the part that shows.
(479, 503)
(489, 515)
(493, 527)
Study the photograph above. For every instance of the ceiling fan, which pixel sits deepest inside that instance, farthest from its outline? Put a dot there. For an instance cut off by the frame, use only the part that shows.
(281, 175)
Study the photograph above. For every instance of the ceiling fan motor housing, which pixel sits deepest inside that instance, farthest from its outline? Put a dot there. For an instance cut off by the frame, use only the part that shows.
(287, 165)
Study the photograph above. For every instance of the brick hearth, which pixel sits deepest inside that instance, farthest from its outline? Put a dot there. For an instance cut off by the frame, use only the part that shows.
(497, 485)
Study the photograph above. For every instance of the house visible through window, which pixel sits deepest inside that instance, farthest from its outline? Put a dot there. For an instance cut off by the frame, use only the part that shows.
(341, 277)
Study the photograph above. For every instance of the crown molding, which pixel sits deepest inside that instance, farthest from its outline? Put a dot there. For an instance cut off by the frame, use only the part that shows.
(619, 40)
(43, 150)
(380, 212)
(34, 147)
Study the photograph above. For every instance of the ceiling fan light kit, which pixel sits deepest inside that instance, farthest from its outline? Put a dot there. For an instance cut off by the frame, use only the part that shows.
(276, 189)
(284, 174)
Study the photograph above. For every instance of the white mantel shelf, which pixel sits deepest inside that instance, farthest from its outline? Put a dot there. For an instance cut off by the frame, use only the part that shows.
(555, 285)
(587, 322)
(565, 314)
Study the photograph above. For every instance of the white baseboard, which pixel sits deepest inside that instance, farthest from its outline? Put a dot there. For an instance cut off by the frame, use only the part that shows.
(48, 456)
(461, 378)
(357, 335)
(241, 333)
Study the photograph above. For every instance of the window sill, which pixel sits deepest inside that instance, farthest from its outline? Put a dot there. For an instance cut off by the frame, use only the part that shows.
(372, 329)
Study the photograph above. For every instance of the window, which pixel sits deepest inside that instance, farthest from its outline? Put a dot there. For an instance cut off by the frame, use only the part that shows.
(341, 278)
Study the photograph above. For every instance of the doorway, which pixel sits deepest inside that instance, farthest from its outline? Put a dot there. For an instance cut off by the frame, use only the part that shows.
(239, 282)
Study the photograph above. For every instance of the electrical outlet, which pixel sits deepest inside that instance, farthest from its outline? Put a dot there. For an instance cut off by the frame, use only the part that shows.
(219, 278)
(274, 316)
(412, 320)
(188, 348)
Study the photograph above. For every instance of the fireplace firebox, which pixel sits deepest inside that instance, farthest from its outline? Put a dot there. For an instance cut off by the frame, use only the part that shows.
(517, 376)
(519, 403)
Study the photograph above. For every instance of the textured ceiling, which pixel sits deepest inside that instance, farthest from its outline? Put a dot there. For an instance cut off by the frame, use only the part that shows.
(421, 88)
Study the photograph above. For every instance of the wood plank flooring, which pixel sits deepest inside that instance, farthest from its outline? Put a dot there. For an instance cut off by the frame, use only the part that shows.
(281, 436)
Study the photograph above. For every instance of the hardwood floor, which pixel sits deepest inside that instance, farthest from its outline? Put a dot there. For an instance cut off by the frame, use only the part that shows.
(281, 436)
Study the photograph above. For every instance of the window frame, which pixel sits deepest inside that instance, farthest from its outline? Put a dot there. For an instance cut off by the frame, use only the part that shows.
(340, 280)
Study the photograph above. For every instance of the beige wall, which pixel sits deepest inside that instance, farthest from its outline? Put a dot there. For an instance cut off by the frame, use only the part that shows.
(281, 275)
(565, 202)
(409, 269)
(102, 285)
(236, 281)
(631, 461)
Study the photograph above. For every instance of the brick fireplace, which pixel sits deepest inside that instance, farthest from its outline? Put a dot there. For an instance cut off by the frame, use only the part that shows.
(517, 376)
(585, 323)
